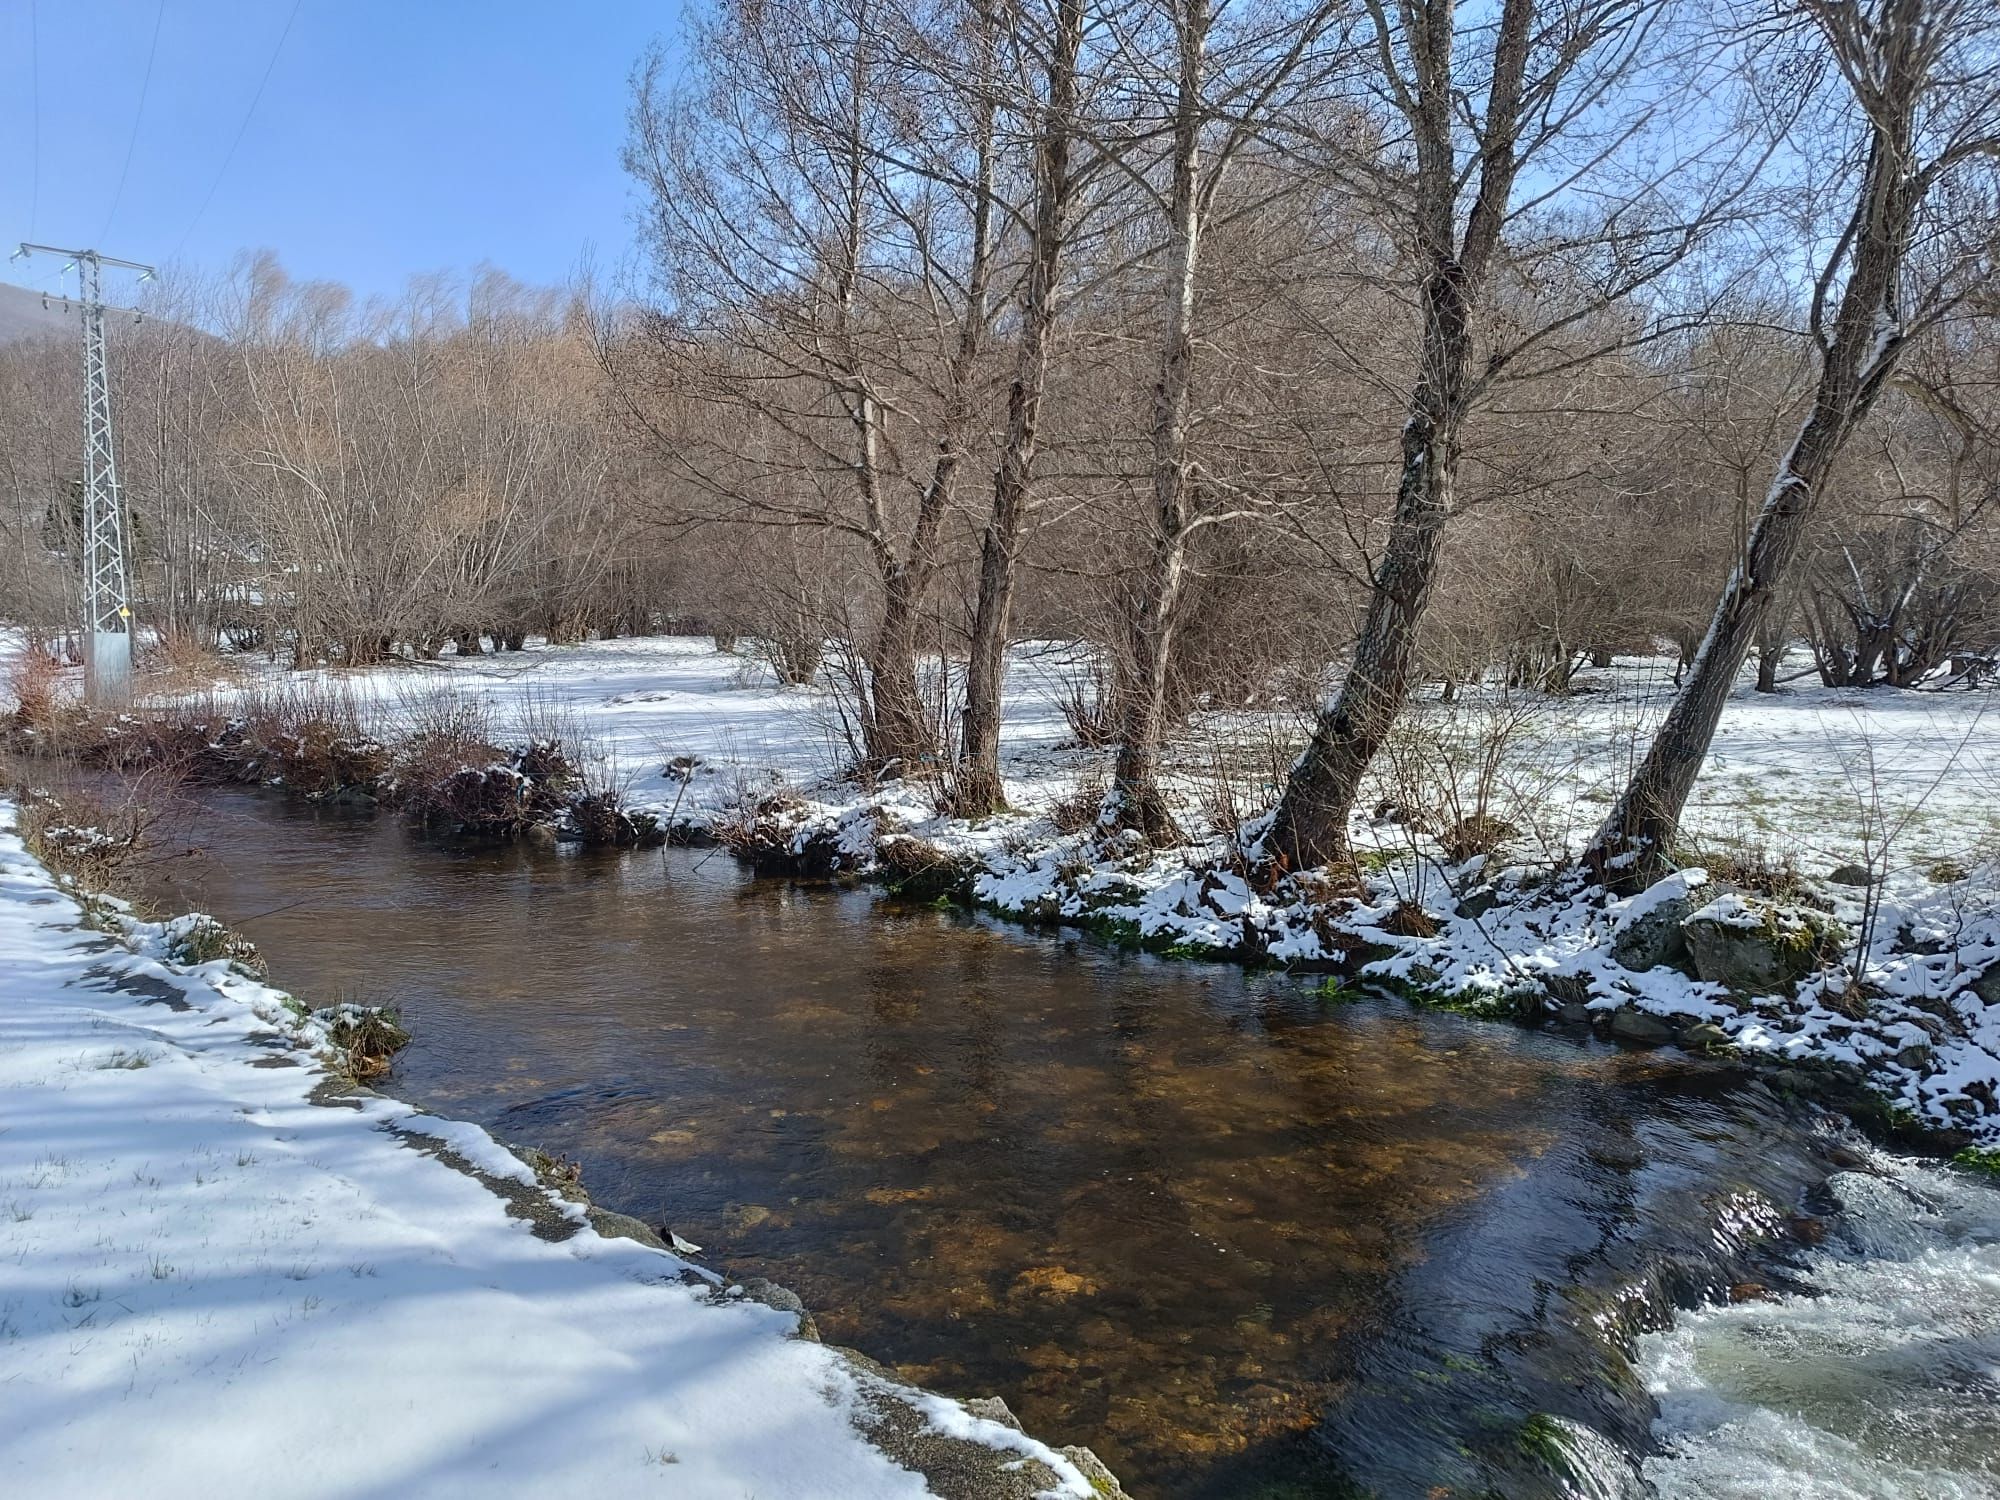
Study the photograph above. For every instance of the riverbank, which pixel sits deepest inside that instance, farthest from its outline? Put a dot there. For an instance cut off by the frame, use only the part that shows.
(219, 1273)
(1838, 919)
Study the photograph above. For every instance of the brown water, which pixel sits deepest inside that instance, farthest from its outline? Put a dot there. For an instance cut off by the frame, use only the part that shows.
(1241, 1242)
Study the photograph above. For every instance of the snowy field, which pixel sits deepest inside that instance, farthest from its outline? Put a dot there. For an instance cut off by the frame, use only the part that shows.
(1822, 776)
(211, 1286)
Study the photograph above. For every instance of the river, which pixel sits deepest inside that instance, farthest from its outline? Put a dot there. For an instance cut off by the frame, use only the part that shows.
(1247, 1244)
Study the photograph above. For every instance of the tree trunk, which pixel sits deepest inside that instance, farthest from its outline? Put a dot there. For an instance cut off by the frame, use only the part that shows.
(896, 731)
(1310, 827)
(1136, 800)
(979, 791)
(1768, 658)
(1311, 824)
(1632, 849)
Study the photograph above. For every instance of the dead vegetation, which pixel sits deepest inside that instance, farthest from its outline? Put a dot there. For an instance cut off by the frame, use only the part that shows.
(363, 1039)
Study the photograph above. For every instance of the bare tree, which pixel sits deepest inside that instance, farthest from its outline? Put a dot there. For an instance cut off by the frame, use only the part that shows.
(1220, 103)
(826, 221)
(1552, 79)
(1921, 87)
(1059, 45)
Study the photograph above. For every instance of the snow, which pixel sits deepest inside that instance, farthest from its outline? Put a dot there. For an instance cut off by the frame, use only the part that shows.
(211, 1285)
(1905, 783)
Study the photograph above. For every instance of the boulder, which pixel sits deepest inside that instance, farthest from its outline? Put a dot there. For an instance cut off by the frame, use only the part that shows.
(1478, 902)
(1759, 947)
(617, 1226)
(784, 1299)
(1640, 1029)
(1650, 936)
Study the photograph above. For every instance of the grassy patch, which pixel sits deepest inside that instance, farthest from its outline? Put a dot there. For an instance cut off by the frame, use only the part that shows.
(364, 1039)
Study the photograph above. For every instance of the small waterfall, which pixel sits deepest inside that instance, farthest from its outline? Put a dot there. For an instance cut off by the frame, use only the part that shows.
(1881, 1382)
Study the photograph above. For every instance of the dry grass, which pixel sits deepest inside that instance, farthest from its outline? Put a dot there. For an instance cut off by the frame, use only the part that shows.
(90, 840)
(364, 1039)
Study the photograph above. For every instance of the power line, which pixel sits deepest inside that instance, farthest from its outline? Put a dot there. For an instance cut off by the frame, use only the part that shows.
(138, 117)
(230, 155)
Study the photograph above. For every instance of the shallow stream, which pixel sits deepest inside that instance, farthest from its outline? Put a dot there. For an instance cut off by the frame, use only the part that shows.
(1243, 1242)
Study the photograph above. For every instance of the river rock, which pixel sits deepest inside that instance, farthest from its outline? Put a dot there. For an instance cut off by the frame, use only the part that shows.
(784, 1299)
(1649, 936)
(1705, 1037)
(1756, 946)
(1640, 1029)
(1987, 985)
(616, 1226)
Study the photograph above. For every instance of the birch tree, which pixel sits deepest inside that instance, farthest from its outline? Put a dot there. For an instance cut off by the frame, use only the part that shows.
(1055, 42)
(1222, 101)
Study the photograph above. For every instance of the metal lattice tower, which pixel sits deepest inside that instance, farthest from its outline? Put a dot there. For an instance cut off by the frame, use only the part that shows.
(107, 605)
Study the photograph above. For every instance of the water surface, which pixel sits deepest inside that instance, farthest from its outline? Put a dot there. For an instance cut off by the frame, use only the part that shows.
(1242, 1242)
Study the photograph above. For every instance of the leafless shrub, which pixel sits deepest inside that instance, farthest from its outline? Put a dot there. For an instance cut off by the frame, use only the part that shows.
(1444, 771)
(1089, 703)
(34, 681)
(1083, 808)
(94, 837)
(919, 870)
(448, 771)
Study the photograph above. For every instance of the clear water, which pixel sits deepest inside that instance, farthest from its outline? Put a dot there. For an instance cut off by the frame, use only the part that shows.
(1247, 1245)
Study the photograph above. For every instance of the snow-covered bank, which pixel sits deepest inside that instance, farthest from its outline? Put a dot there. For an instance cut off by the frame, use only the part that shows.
(211, 1285)
(1894, 975)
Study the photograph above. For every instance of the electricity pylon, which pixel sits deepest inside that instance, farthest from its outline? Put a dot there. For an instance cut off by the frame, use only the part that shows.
(107, 603)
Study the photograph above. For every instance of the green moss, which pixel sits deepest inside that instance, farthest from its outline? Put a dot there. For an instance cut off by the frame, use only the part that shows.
(1543, 1439)
(1979, 1159)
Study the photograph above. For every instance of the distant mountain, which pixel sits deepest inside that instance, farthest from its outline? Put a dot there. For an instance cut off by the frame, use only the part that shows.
(22, 316)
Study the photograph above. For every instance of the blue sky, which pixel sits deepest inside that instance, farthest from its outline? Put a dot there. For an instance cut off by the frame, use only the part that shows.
(393, 137)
